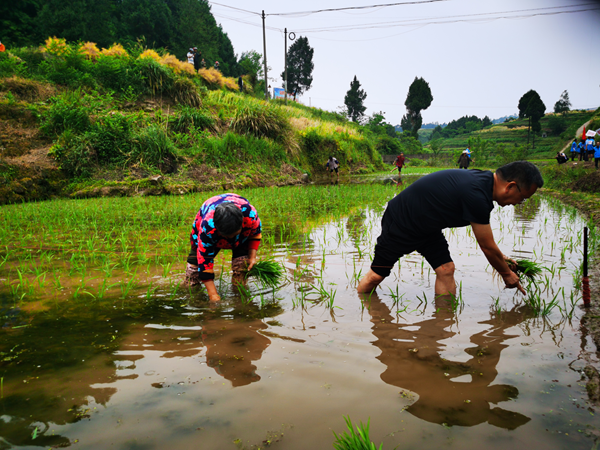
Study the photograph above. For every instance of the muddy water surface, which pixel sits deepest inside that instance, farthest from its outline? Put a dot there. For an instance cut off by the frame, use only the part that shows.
(283, 368)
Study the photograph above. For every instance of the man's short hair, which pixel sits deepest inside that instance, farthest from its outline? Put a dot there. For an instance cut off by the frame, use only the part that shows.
(228, 218)
(523, 173)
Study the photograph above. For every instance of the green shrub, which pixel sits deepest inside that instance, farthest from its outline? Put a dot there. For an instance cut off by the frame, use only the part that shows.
(112, 138)
(187, 118)
(557, 124)
(319, 148)
(184, 92)
(235, 149)
(260, 120)
(67, 112)
(154, 148)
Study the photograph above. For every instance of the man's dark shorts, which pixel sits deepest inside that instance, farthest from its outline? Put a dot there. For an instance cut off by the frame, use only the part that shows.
(334, 170)
(392, 245)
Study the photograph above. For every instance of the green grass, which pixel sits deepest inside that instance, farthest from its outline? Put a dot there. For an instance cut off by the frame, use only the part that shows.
(65, 247)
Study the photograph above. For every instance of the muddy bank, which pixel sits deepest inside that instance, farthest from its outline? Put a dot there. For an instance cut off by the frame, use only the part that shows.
(24, 183)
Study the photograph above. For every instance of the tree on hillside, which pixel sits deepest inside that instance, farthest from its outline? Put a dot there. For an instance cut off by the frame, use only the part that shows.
(152, 19)
(195, 27)
(299, 66)
(532, 107)
(354, 101)
(251, 65)
(418, 99)
(227, 57)
(17, 22)
(563, 104)
(78, 20)
(377, 124)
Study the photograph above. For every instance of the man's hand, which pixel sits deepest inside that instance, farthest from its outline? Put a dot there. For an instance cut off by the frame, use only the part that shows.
(511, 280)
(512, 264)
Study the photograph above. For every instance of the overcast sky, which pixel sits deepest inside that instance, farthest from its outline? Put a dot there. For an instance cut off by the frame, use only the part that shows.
(480, 62)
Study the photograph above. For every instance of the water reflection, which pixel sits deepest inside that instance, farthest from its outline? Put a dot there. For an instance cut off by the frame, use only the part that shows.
(412, 354)
(81, 359)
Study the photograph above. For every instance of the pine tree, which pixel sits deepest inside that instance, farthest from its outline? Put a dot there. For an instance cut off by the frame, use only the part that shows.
(419, 98)
(563, 104)
(299, 66)
(354, 101)
(532, 107)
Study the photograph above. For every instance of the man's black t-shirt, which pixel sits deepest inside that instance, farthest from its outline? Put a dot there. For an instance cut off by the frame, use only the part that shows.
(445, 199)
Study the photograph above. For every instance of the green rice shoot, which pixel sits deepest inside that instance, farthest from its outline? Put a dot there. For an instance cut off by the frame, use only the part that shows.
(268, 272)
(525, 268)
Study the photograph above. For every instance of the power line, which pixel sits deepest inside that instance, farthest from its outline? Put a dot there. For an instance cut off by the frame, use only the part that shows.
(454, 19)
(247, 22)
(238, 9)
(384, 5)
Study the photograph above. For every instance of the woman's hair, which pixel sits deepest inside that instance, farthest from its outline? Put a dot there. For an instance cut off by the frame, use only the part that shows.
(228, 218)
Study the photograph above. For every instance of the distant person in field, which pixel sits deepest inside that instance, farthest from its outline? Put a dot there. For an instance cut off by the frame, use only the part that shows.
(468, 151)
(197, 58)
(597, 154)
(203, 64)
(190, 56)
(561, 158)
(226, 221)
(399, 162)
(241, 83)
(217, 65)
(414, 220)
(581, 147)
(574, 150)
(464, 160)
(333, 165)
(590, 147)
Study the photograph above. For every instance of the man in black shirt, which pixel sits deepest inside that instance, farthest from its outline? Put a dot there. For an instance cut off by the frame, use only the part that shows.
(415, 218)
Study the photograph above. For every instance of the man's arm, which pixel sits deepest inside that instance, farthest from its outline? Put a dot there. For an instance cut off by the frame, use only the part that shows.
(485, 239)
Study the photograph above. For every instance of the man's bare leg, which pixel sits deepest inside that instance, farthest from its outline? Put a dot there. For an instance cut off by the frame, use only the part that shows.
(444, 280)
(369, 282)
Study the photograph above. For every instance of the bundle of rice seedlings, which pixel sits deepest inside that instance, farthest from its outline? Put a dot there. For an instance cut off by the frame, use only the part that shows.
(268, 272)
(525, 268)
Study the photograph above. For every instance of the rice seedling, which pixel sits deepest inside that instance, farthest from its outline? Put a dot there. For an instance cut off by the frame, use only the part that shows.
(268, 272)
(525, 268)
(355, 439)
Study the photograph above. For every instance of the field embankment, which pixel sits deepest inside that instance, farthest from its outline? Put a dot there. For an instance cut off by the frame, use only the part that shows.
(82, 122)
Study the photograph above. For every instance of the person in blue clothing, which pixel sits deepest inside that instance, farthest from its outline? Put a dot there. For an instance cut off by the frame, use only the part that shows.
(597, 154)
(590, 147)
(582, 153)
(574, 149)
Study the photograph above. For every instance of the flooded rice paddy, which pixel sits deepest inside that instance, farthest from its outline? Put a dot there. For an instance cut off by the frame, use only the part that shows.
(101, 347)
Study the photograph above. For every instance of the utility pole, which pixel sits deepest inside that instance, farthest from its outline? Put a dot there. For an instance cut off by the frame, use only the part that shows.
(285, 82)
(285, 62)
(265, 56)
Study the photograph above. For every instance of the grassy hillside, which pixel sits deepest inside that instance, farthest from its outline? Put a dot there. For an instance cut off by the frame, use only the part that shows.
(84, 122)
(501, 143)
